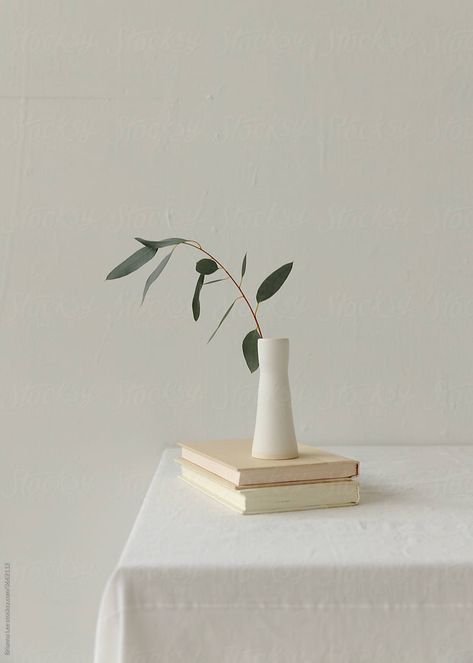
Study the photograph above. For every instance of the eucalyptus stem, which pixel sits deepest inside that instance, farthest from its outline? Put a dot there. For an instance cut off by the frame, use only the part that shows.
(199, 247)
(205, 267)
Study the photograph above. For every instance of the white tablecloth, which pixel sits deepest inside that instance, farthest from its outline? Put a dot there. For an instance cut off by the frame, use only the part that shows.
(388, 581)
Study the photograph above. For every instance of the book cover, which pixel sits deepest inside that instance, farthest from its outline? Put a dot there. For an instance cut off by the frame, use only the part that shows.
(272, 499)
(232, 460)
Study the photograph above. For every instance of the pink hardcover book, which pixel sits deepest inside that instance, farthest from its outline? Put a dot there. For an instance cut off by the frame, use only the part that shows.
(232, 460)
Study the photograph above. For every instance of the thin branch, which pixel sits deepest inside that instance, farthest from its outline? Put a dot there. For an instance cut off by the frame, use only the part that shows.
(197, 246)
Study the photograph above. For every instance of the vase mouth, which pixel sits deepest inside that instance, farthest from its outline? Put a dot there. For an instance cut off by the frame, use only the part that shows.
(273, 340)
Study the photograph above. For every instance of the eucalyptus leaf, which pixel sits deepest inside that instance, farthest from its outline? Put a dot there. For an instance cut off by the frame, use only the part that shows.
(273, 282)
(195, 298)
(171, 241)
(132, 263)
(243, 267)
(250, 350)
(224, 317)
(216, 281)
(206, 266)
(155, 273)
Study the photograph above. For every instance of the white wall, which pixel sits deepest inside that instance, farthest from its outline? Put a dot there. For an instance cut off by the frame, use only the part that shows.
(335, 133)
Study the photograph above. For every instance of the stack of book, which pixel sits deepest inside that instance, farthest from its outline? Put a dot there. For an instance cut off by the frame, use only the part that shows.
(226, 471)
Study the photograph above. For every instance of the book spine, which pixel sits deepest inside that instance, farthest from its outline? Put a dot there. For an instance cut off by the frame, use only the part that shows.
(208, 464)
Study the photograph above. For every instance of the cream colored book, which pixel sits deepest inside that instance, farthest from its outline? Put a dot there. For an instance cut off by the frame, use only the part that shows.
(232, 460)
(272, 499)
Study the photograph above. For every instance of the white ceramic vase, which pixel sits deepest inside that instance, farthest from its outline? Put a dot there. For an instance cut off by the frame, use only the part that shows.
(274, 436)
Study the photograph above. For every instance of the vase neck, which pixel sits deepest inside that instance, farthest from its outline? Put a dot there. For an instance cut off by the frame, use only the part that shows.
(273, 354)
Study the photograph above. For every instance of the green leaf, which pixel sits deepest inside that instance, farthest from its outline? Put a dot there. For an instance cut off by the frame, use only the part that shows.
(195, 298)
(206, 266)
(160, 243)
(155, 273)
(223, 319)
(250, 350)
(243, 267)
(132, 263)
(216, 281)
(273, 282)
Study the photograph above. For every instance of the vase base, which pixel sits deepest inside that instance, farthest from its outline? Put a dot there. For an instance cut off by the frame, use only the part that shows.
(273, 457)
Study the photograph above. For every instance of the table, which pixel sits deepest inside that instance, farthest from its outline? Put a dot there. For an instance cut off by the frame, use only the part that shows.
(388, 581)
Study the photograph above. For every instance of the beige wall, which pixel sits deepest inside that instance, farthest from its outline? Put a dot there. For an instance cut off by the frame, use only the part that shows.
(338, 134)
